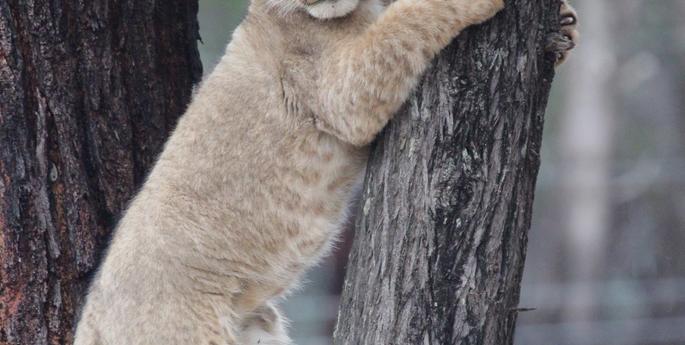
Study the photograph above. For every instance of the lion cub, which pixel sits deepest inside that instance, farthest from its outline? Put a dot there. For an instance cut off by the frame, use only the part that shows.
(254, 182)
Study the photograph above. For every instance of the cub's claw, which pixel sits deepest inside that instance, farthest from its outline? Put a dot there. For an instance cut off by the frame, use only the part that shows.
(568, 20)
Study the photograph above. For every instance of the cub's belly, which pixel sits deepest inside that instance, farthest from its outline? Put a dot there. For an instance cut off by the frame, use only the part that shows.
(321, 213)
(314, 198)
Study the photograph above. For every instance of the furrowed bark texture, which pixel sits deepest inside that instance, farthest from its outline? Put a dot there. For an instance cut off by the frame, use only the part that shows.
(441, 232)
(89, 91)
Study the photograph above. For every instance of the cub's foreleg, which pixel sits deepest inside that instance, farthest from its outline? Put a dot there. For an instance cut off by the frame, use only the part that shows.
(364, 80)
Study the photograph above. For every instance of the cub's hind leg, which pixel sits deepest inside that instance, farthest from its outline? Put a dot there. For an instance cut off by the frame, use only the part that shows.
(264, 326)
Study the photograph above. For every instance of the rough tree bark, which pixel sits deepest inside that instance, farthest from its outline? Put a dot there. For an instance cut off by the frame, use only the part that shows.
(441, 232)
(89, 91)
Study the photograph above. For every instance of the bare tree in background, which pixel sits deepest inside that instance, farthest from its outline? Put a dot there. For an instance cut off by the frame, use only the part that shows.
(446, 206)
(88, 94)
(586, 140)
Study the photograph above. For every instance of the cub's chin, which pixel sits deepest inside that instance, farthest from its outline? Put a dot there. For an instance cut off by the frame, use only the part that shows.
(328, 9)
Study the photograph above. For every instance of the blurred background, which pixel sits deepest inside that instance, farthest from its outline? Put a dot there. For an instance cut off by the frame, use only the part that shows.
(606, 257)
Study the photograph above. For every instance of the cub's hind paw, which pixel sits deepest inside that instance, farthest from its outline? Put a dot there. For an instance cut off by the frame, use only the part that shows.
(264, 326)
(569, 32)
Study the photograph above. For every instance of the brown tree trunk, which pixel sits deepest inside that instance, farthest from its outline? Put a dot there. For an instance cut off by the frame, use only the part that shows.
(88, 94)
(446, 206)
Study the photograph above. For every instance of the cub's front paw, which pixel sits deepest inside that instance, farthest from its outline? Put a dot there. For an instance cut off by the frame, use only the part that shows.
(569, 31)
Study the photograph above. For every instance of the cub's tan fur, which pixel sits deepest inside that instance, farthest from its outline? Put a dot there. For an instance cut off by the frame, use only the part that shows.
(254, 182)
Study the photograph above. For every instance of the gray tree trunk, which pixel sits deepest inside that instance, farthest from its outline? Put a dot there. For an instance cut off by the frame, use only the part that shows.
(89, 91)
(442, 228)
